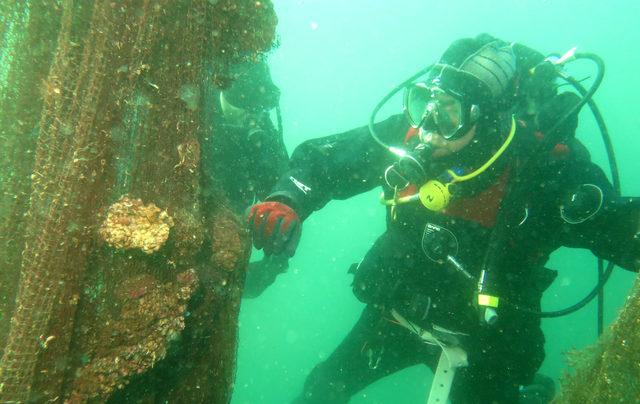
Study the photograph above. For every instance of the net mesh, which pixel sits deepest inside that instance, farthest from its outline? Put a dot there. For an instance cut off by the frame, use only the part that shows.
(100, 101)
(609, 371)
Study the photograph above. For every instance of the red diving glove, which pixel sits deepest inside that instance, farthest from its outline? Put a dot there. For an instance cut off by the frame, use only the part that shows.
(276, 228)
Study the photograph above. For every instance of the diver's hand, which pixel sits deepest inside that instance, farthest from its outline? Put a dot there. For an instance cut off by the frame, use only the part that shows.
(261, 274)
(276, 228)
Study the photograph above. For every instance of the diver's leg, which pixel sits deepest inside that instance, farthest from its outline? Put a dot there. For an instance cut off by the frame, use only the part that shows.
(374, 348)
(501, 359)
(476, 386)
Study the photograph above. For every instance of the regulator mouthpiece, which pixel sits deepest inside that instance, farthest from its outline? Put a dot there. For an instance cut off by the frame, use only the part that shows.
(413, 165)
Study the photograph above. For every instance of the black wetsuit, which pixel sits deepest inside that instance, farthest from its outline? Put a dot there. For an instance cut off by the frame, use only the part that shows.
(247, 160)
(397, 274)
(243, 160)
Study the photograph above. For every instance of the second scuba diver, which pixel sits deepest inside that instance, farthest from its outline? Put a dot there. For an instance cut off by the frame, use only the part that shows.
(247, 153)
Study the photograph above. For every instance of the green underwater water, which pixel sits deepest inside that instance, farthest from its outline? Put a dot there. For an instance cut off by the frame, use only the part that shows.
(336, 60)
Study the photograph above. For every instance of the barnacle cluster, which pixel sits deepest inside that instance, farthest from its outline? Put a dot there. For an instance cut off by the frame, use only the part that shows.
(132, 224)
(151, 316)
(228, 242)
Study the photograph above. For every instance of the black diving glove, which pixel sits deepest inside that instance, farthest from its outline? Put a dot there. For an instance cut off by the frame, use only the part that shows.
(541, 391)
(261, 274)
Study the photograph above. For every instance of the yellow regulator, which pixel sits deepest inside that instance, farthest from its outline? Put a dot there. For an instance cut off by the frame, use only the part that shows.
(434, 195)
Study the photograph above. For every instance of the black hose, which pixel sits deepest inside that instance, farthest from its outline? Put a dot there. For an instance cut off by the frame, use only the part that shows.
(613, 164)
(586, 96)
(550, 140)
(583, 302)
(603, 274)
(386, 98)
(600, 314)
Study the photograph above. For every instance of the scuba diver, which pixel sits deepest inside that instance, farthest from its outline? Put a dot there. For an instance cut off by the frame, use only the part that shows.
(482, 180)
(249, 155)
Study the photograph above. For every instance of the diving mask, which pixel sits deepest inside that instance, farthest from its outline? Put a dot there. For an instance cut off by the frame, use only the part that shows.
(434, 109)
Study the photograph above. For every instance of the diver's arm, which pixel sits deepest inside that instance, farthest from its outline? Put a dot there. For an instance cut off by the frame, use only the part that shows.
(615, 235)
(613, 231)
(337, 166)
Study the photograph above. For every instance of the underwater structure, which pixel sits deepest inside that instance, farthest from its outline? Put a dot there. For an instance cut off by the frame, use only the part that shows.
(609, 371)
(121, 263)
